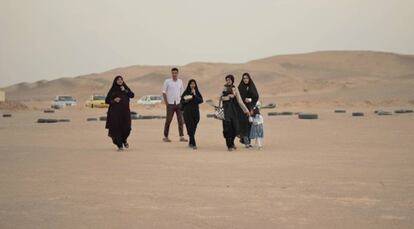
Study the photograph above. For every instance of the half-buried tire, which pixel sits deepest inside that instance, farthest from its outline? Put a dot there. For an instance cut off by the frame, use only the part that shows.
(384, 113)
(47, 120)
(49, 111)
(284, 113)
(403, 111)
(357, 114)
(7, 115)
(340, 111)
(91, 119)
(308, 116)
(102, 118)
(269, 106)
(63, 120)
(146, 117)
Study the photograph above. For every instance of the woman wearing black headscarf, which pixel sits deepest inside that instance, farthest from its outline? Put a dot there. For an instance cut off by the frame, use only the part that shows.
(190, 99)
(118, 121)
(234, 108)
(250, 96)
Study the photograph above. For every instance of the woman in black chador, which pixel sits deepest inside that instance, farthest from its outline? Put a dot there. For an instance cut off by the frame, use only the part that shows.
(250, 96)
(118, 121)
(190, 99)
(233, 108)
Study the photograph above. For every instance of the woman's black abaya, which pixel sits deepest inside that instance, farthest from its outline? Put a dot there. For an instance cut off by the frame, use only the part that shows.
(191, 111)
(247, 91)
(118, 120)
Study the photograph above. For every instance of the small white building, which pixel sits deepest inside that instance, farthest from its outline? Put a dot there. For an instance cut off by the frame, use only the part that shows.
(2, 96)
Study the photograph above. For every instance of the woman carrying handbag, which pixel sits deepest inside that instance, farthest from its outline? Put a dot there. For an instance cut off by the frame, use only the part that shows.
(232, 104)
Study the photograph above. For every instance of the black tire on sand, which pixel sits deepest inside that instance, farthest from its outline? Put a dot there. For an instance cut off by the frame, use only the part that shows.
(357, 114)
(47, 120)
(146, 117)
(403, 111)
(308, 116)
(383, 113)
(49, 111)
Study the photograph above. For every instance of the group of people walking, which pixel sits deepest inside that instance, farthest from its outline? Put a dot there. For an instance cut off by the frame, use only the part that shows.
(240, 106)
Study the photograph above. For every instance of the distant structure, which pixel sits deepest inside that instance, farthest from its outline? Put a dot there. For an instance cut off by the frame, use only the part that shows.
(2, 96)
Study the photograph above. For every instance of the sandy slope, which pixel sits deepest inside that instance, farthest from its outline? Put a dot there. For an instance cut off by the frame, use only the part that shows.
(336, 172)
(320, 78)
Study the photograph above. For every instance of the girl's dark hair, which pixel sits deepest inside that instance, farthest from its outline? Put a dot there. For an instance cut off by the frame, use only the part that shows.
(188, 89)
(231, 77)
(256, 111)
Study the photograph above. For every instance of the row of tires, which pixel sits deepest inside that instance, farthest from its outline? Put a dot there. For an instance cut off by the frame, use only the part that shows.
(103, 118)
(300, 115)
(51, 120)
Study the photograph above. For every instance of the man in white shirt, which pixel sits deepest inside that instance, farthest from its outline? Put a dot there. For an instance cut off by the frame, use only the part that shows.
(172, 91)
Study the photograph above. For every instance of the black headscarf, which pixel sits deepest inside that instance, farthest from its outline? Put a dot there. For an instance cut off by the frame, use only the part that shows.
(228, 88)
(115, 85)
(115, 89)
(248, 90)
(231, 77)
(118, 121)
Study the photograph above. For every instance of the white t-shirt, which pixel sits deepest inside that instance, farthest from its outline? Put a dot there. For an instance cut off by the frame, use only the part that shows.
(173, 90)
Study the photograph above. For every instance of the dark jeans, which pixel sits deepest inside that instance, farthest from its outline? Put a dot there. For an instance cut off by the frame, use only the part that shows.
(191, 119)
(192, 140)
(171, 109)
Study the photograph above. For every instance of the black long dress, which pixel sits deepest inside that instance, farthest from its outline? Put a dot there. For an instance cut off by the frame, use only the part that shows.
(247, 91)
(191, 113)
(233, 109)
(118, 120)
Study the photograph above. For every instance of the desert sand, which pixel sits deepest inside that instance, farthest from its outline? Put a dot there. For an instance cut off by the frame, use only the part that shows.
(337, 171)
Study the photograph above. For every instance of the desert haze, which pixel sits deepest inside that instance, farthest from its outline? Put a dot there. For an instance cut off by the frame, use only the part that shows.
(337, 171)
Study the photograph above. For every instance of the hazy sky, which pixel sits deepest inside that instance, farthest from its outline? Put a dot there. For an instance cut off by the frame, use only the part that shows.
(47, 39)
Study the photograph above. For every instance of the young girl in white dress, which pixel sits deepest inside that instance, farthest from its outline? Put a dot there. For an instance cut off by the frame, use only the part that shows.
(256, 132)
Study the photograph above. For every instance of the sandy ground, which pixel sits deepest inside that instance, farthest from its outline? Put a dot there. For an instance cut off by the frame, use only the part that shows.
(335, 172)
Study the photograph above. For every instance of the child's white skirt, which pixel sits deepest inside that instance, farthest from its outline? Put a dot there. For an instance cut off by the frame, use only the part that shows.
(256, 131)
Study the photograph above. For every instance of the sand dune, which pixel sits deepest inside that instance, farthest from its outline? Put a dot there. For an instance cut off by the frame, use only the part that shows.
(344, 77)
